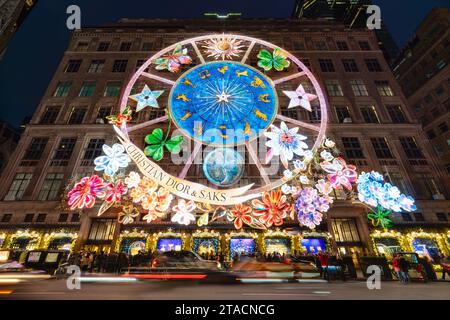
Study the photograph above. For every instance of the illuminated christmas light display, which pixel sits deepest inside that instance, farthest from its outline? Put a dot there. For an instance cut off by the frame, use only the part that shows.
(219, 104)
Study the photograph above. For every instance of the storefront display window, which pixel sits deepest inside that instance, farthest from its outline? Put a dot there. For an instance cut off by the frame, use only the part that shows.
(241, 246)
(63, 243)
(279, 245)
(313, 245)
(205, 246)
(132, 245)
(387, 246)
(426, 247)
(169, 244)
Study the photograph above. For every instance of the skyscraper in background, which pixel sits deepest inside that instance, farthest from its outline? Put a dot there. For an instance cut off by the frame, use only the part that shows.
(352, 14)
(12, 14)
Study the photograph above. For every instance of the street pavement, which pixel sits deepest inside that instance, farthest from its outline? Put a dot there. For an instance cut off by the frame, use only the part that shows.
(112, 287)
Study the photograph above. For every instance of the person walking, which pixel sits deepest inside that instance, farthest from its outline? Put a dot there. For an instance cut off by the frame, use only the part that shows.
(323, 258)
(404, 266)
(396, 266)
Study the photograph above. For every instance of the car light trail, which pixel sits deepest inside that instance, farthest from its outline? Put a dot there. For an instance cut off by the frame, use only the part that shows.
(107, 279)
(6, 291)
(261, 280)
(166, 276)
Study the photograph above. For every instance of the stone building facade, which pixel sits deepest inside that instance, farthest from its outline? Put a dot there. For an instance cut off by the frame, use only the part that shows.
(370, 120)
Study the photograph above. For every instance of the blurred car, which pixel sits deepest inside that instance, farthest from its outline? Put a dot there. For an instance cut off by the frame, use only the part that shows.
(183, 259)
(250, 267)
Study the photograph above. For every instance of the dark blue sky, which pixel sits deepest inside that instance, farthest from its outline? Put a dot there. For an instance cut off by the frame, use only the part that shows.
(36, 49)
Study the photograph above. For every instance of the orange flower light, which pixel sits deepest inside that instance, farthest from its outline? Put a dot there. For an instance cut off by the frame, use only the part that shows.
(272, 209)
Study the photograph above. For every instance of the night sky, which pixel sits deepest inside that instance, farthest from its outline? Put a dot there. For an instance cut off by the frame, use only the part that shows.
(36, 49)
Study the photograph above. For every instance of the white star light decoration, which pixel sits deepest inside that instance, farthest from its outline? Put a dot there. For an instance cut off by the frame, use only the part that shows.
(146, 98)
(300, 98)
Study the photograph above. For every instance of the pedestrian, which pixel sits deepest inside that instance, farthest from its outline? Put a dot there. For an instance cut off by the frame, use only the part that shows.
(323, 258)
(396, 266)
(341, 265)
(404, 266)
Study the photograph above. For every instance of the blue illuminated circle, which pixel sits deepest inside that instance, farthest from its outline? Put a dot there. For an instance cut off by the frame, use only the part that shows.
(223, 103)
(223, 167)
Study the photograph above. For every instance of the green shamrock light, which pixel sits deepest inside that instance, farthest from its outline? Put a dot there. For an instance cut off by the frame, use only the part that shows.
(277, 60)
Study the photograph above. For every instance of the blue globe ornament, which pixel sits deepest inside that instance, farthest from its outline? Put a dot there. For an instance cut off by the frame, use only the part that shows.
(223, 167)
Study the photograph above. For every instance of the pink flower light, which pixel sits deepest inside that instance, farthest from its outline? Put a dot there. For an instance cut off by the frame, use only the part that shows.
(83, 194)
(340, 173)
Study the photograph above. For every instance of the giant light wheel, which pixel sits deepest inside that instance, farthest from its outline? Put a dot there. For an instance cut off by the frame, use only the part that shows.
(225, 94)
(209, 83)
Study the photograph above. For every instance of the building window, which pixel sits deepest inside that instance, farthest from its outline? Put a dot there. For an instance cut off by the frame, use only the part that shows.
(320, 45)
(75, 217)
(73, 66)
(112, 89)
(102, 113)
(62, 89)
(381, 147)
(65, 149)
(102, 229)
(373, 65)
(63, 217)
(18, 186)
(430, 134)
(87, 89)
(443, 127)
(364, 45)
(334, 88)
(41, 217)
(82, 46)
(410, 148)
(441, 216)
(51, 186)
(384, 89)
(94, 149)
(139, 63)
(77, 115)
(406, 216)
(342, 45)
(103, 46)
(326, 65)
(396, 113)
(359, 88)
(120, 65)
(343, 114)
(28, 217)
(345, 230)
(7, 217)
(147, 46)
(125, 46)
(315, 114)
(350, 65)
(418, 216)
(50, 115)
(96, 66)
(369, 114)
(352, 147)
(299, 46)
(35, 149)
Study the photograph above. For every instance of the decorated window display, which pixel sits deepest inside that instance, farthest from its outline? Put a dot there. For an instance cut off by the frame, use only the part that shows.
(313, 245)
(169, 244)
(241, 246)
(231, 115)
